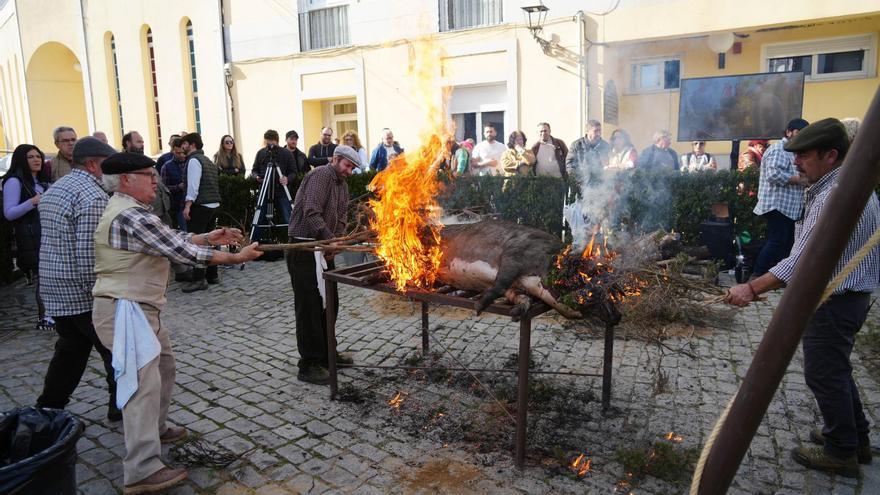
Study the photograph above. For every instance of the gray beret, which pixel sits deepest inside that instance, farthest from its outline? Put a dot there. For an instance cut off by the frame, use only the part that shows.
(349, 154)
(89, 146)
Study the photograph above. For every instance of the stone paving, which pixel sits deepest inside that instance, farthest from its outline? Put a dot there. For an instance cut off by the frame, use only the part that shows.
(236, 386)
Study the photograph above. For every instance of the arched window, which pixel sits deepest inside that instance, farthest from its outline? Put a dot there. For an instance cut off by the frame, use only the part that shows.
(116, 86)
(194, 85)
(154, 93)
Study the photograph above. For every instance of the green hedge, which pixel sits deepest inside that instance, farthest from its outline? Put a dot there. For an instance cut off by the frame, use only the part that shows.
(649, 200)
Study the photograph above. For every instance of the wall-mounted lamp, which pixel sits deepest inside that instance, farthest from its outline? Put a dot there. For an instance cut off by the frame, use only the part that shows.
(535, 16)
(720, 43)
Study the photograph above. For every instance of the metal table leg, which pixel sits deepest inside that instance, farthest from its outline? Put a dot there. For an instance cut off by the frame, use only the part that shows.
(522, 399)
(330, 311)
(424, 329)
(606, 367)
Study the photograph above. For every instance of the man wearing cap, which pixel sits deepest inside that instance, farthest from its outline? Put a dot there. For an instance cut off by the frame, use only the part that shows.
(69, 213)
(320, 211)
(827, 342)
(132, 253)
(780, 199)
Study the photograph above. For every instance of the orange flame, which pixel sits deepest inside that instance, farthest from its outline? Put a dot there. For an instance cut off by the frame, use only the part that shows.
(407, 212)
(396, 401)
(672, 437)
(580, 465)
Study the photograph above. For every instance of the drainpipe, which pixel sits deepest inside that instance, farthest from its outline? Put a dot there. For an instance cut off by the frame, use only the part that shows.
(584, 84)
(86, 70)
(227, 74)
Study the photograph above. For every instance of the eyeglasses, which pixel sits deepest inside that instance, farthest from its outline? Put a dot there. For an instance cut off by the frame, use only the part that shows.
(327, 135)
(66, 141)
(151, 175)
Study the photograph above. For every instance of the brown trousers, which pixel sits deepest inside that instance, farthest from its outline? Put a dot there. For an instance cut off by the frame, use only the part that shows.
(144, 415)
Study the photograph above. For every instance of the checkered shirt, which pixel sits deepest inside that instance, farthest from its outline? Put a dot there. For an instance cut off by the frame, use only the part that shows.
(69, 214)
(774, 191)
(864, 278)
(139, 230)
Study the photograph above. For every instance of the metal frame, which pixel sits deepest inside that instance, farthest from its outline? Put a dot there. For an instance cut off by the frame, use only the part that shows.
(371, 276)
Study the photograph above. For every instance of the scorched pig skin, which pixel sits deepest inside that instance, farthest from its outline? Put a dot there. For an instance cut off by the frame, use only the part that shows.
(500, 258)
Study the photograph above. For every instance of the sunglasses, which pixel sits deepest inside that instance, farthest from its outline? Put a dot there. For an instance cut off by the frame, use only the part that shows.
(228, 142)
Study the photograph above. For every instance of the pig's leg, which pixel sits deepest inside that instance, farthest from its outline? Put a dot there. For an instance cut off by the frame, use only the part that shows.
(504, 279)
(534, 287)
(521, 303)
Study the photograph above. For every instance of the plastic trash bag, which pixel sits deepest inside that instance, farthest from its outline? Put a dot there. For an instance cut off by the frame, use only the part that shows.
(38, 451)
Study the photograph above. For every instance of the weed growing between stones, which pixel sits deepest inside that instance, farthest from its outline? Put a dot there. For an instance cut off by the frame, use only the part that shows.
(663, 459)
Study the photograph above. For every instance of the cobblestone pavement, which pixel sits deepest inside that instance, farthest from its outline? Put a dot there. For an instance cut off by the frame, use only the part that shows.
(236, 386)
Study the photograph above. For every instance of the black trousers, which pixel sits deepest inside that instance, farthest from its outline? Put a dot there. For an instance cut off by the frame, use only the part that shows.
(201, 221)
(311, 317)
(76, 337)
(827, 343)
(780, 239)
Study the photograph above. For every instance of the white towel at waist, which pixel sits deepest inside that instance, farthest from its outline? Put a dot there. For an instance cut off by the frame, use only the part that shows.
(320, 266)
(134, 345)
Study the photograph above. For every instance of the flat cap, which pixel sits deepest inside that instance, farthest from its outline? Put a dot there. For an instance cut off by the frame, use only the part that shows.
(823, 134)
(120, 163)
(349, 154)
(90, 146)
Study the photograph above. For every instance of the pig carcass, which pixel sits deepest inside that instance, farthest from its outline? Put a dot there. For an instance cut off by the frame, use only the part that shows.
(501, 258)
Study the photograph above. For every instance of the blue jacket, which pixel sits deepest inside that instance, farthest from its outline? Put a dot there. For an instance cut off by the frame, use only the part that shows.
(379, 158)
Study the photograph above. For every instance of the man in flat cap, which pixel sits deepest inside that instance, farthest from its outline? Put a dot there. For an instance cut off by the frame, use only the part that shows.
(132, 253)
(780, 199)
(320, 211)
(828, 339)
(69, 214)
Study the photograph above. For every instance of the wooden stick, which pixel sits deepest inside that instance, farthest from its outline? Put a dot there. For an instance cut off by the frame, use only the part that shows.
(349, 239)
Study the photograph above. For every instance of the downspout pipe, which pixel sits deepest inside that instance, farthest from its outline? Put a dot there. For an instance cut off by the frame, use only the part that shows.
(87, 70)
(583, 83)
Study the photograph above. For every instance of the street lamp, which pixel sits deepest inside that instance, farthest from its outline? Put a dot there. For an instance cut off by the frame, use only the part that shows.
(535, 17)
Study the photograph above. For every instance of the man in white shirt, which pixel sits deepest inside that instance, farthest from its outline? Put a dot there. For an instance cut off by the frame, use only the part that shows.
(550, 153)
(202, 201)
(488, 153)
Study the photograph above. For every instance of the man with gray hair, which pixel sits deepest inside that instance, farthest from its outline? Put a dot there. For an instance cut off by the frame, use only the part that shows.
(60, 164)
(659, 155)
(69, 214)
(100, 136)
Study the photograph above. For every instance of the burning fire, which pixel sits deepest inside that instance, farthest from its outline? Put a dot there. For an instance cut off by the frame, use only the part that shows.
(672, 437)
(407, 212)
(396, 401)
(581, 465)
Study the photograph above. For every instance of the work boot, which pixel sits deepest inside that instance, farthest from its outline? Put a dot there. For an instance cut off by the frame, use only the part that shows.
(817, 458)
(173, 434)
(158, 481)
(344, 359)
(213, 281)
(314, 374)
(194, 286)
(863, 451)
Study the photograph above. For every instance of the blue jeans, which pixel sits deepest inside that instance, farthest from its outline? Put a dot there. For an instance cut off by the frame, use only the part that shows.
(827, 343)
(780, 238)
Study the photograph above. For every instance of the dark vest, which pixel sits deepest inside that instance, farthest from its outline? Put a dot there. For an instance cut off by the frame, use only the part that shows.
(209, 185)
(27, 233)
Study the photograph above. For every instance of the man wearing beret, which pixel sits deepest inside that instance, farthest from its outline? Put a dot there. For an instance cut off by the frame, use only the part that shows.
(828, 339)
(132, 253)
(320, 211)
(69, 214)
(780, 199)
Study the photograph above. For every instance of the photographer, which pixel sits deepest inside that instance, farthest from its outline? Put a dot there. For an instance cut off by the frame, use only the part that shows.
(282, 158)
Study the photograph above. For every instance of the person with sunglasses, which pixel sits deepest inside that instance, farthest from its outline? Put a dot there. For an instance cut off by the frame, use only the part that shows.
(227, 158)
(698, 159)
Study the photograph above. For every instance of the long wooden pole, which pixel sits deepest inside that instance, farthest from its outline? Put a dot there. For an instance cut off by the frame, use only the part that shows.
(858, 178)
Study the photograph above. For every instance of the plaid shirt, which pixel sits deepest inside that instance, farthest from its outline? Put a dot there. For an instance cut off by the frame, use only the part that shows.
(139, 230)
(320, 208)
(864, 277)
(69, 213)
(774, 191)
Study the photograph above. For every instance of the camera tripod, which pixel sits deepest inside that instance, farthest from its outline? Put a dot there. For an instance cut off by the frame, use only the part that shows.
(266, 201)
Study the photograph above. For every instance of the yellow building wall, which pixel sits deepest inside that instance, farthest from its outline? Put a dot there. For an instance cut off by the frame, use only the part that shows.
(263, 94)
(55, 88)
(642, 114)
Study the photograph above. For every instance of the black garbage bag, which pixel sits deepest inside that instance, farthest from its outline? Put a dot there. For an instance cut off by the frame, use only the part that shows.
(38, 451)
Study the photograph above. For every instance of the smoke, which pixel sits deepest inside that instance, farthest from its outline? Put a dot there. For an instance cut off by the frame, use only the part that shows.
(617, 202)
